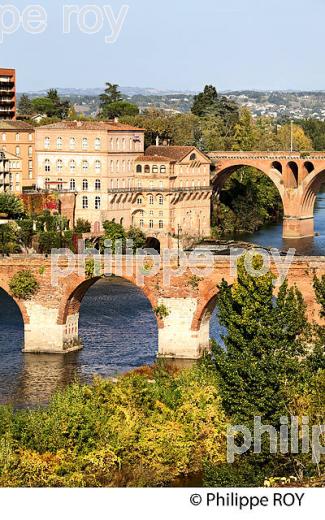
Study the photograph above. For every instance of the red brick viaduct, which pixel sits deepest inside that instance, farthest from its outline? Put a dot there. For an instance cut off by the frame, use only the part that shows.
(51, 316)
(297, 176)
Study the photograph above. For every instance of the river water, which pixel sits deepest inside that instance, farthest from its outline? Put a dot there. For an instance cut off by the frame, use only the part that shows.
(117, 326)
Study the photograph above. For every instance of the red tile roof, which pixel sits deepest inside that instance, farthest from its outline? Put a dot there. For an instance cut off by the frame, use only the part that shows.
(177, 153)
(153, 158)
(15, 125)
(92, 125)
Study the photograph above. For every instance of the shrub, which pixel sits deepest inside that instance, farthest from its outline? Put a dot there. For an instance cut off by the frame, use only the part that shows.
(161, 311)
(23, 285)
(82, 226)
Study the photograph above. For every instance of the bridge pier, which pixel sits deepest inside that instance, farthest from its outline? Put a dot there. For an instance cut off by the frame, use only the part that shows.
(43, 334)
(177, 339)
(298, 227)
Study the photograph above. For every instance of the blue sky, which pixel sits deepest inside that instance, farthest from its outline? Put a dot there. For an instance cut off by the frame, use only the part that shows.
(176, 44)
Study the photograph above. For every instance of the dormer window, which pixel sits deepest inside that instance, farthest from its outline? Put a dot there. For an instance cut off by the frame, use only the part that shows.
(193, 157)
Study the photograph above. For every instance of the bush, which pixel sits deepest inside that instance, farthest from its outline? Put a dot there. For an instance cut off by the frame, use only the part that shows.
(82, 226)
(49, 240)
(23, 285)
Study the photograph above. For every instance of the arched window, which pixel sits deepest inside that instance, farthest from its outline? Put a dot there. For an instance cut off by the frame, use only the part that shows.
(155, 169)
(112, 166)
(85, 166)
(117, 166)
(97, 184)
(147, 168)
(151, 201)
(47, 165)
(160, 200)
(84, 143)
(139, 201)
(72, 166)
(17, 137)
(84, 202)
(98, 166)
(193, 157)
(97, 143)
(139, 168)
(59, 166)
(97, 202)
(47, 142)
(163, 169)
(85, 185)
(59, 143)
(72, 184)
(72, 143)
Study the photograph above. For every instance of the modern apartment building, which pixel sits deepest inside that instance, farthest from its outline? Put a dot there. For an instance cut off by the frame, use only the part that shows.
(10, 172)
(7, 94)
(18, 138)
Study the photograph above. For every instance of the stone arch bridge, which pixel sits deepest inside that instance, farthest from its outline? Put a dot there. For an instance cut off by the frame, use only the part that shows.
(297, 176)
(51, 316)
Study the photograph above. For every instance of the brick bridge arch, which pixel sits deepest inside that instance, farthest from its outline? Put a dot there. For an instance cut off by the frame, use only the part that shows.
(4, 284)
(297, 177)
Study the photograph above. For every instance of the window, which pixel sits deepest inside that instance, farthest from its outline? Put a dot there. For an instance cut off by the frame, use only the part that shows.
(84, 202)
(47, 143)
(161, 213)
(4, 137)
(97, 184)
(47, 165)
(161, 200)
(85, 166)
(72, 166)
(161, 184)
(139, 201)
(85, 185)
(163, 169)
(18, 150)
(72, 143)
(97, 143)
(141, 223)
(139, 168)
(151, 200)
(30, 137)
(30, 151)
(47, 182)
(59, 143)
(97, 202)
(147, 168)
(85, 143)
(72, 184)
(60, 184)
(151, 224)
(161, 224)
(98, 166)
(193, 157)
(155, 169)
(123, 144)
(117, 144)
(17, 137)
(59, 166)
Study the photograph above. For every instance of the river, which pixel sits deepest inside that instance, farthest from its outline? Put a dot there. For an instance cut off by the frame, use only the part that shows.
(117, 326)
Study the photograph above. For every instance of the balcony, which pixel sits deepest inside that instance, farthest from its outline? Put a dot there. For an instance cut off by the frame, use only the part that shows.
(160, 190)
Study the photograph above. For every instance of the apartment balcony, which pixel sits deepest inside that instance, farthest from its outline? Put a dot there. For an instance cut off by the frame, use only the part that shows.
(9, 82)
(160, 190)
(7, 101)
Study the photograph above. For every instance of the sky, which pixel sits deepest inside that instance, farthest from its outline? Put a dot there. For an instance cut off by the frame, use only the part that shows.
(172, 44)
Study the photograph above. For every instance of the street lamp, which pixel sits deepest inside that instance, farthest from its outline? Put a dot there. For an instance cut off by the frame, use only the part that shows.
(179, 230)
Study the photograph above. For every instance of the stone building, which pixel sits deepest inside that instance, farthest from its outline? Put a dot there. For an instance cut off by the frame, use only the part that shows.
(10, 172)
(164, 190)
(87, 158)
(17, 138)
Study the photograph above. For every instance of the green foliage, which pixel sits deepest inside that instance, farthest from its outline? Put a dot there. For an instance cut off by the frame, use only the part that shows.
(162, 311)
(48, 240)
(113, 105)
(11, 205)
(138, 237)
(82, 226)
(145, 430)
(208, 103)
(114, 232)
(90, 268)
(319, 285)
(194, 281)
(23, 285)
(51, 105)
(25, 106)
(263, 351)
(9, 238)
(26, 232)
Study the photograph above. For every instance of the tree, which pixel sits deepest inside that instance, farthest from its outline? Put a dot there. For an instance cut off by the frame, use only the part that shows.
(138, 237)
(300, 140)
(244, 132)
(119, 109)
(263, 350)
(209, 104)
(25, 106)
(111, 95)
(114, 232)
(11, 205)
(82, 226)
(51, 105)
